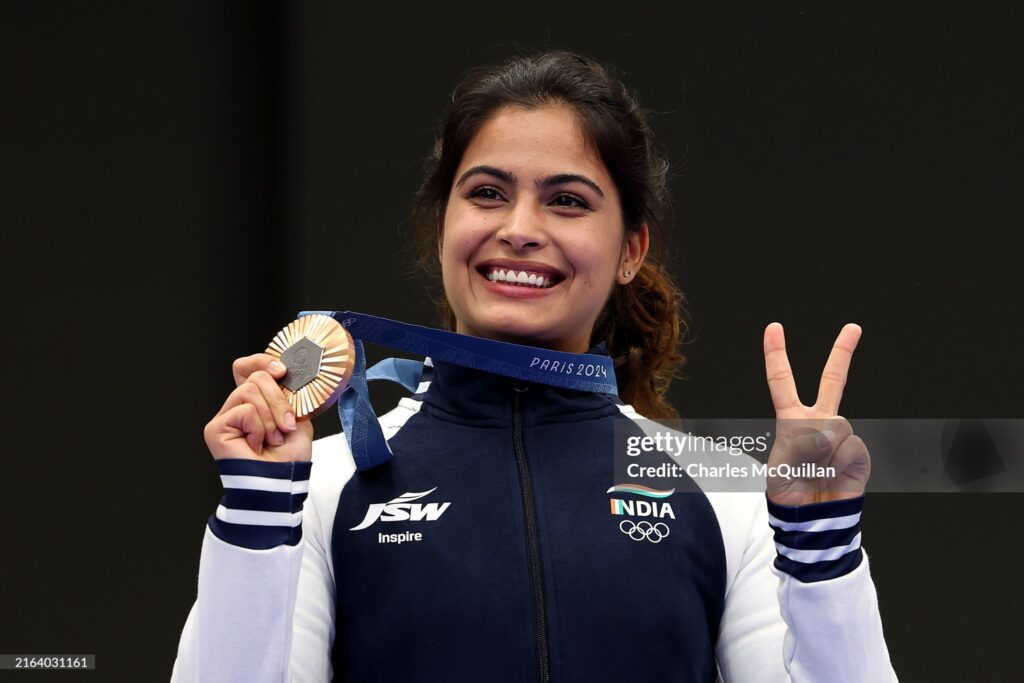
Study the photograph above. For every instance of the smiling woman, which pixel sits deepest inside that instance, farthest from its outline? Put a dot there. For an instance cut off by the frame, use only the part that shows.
(549, 166)
(532, 218)
(508, 561)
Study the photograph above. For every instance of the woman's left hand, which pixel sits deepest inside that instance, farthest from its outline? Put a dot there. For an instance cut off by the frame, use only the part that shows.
(813, 436)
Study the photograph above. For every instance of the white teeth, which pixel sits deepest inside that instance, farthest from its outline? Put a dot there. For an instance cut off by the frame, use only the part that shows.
(518, 278)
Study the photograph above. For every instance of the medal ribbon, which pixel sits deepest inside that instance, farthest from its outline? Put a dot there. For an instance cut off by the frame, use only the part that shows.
(579, 371)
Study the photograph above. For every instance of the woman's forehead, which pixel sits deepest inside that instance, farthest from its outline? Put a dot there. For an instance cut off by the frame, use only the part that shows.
(529, 142)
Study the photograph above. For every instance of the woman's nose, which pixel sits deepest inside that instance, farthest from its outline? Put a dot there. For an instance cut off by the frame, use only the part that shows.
(523, 227)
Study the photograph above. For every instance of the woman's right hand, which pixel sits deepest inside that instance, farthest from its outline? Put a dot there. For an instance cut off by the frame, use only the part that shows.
(256, 422)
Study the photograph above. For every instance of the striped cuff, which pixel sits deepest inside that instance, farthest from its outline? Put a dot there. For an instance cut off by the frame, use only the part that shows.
(817, 542)
(262, 503)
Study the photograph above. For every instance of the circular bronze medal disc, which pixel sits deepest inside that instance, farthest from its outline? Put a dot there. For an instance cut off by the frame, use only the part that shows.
(319, 355)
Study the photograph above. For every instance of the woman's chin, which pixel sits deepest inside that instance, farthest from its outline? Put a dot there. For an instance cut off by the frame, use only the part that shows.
(531, 336)
(519, 335)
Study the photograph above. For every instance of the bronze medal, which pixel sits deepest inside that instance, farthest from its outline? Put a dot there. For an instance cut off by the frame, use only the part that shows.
(319, 355)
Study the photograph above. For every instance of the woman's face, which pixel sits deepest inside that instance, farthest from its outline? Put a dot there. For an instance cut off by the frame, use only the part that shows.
(531, 202)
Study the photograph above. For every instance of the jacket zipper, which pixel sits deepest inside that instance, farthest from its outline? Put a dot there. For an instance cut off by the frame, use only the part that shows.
(532, 539)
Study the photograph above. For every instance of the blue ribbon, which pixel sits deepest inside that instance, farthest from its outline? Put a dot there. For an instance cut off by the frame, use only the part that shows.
(579, 371)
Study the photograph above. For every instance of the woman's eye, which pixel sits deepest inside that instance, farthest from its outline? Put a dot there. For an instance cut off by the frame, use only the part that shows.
(487, 193)
(569, 201)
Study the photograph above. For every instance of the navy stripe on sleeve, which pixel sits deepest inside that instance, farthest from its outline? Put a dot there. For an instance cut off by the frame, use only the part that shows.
(821, 540)
(817, 542)
(262, 503)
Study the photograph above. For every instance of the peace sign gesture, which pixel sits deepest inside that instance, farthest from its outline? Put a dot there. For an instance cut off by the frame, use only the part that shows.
(826, 460)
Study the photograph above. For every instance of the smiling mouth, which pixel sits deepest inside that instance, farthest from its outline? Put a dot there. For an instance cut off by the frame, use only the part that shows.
(521, 278)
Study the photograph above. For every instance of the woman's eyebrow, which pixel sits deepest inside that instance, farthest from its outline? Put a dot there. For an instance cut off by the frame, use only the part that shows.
(510, 178)
(487, 170)
(563, 178)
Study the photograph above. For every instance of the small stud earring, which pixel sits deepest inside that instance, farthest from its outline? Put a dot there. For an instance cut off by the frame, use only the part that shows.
(627, 273)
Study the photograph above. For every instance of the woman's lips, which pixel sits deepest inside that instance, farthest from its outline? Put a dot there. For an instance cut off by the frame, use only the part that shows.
(527, 278)
(526, 267)
(515, 291)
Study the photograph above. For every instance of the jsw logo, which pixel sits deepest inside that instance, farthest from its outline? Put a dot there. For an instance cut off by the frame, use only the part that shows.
(401, 509)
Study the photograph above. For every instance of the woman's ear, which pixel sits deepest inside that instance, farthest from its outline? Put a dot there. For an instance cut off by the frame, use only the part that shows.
(634, 250)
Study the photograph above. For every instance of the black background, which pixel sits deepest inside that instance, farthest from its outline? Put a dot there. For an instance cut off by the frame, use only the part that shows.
(180, 179)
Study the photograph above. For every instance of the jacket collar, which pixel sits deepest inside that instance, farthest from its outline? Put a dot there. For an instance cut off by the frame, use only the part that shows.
(467, 395)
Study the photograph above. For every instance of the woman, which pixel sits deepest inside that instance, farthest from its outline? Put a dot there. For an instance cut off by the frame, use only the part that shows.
(484, 549)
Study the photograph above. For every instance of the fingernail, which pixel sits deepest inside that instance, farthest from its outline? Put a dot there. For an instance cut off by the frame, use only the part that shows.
(824, 439)
(289, 421)
(276, 437)
(276, 366)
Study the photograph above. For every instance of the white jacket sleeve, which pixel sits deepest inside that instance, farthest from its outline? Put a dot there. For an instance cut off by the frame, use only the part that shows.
(265, 604)
(799, 606)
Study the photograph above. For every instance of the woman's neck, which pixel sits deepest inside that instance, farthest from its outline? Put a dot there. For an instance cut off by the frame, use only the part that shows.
(578, 344)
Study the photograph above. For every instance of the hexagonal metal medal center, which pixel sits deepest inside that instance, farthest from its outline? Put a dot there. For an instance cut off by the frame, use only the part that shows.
(303, 362)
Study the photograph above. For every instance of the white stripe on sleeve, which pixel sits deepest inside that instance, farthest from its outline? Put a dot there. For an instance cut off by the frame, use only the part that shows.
(810, 556)
(258, 517)
(250, 483)
(824, 524)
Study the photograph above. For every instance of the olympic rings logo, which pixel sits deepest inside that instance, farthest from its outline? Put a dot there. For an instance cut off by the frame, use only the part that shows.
(638, 531)
(347, 322)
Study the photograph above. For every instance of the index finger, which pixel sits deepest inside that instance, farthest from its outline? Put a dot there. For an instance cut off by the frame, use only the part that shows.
(246, 365)
(833, 378)
(780, 377)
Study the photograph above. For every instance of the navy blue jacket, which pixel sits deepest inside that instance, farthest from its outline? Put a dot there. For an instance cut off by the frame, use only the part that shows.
(526, 575)
(489, 549)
